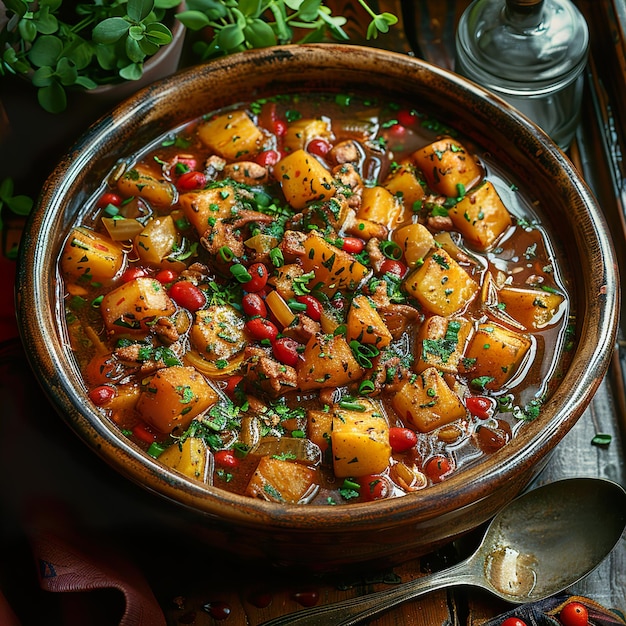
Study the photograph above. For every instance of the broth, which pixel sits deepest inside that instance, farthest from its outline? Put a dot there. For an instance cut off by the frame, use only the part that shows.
(326, 299)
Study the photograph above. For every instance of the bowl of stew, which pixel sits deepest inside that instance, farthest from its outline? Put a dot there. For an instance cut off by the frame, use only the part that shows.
(319, 296)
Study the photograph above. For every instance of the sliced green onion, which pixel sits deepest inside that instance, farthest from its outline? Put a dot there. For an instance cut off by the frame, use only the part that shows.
(240, 273)
(276, 257)
(391, 250)
(226, 254)
(348, 405)
(156, 449)
(366, 387)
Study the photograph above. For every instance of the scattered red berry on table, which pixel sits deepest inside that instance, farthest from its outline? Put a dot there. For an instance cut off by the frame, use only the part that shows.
(574, 614)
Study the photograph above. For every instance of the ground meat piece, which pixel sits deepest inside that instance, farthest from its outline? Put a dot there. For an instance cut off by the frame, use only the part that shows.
(376, 257)
(196, 273)
(247, 173)
(292, 245)
(345, 152)
(266, 374)
(166, 330)
(303, 328)
(213, 166)
(440, 222)
(350, 177)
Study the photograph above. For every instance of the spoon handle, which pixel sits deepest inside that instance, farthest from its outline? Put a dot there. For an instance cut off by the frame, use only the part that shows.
(353, 610)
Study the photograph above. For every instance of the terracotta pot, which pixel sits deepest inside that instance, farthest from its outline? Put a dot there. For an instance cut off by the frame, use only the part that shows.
(316, 536)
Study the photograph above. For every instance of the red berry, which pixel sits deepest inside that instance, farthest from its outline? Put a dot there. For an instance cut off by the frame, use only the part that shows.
(187, 295)
(231, 385)
(259, 274)
(226, 458)
(373, 487)
(190, 181)
(402, 439)
(144, 433)
(268, 158)
(574, 614)
(513, 621)
(261, 329)
(389, 266)
(397, 129)
(166, 277)
(438, 468)
(353, 245)
(102, 394)
(479, 406)
(253, 305)
(280, 127)
(407, 117)
(313, 306)
(285, 350)
(109, 198)
(319, 147)
(133, 272)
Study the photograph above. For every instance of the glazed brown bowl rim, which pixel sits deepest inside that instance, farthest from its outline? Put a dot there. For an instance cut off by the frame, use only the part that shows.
(44, 346)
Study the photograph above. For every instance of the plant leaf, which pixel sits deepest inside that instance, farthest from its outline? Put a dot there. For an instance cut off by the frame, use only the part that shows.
(133, 71)
(134, 51)
(166, 4)
(158, 34)
(110, 30)
(259, 34)
(66, 71)
(230, 37)
(27, 30)
(309, 10)
(20, 205)
(42, 77)
(6, 189)
(138, 10)
(45, 51)
(52, 98)
(194, 20)
(250, 8)
(46, 24)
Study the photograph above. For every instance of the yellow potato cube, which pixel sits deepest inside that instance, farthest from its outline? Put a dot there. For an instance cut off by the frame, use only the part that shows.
(141, 181)
(189, 458)
(494, 355)
(218, 332)
(91, 255)
(300, 132)
(304, 179)
(426, 402)
(360, 441)
(441, 285)
(173, 397)
(380, 206)
(533, 308)
(415, 241)
(365, 325)
(232, 135)
(441, 343)
(134, 306)
(276, 480)
(327, 361)
(481, 217)
(319, 425)
(404, 183)
(446, 165)
(202, 208)
(157, 239)
(334, 268)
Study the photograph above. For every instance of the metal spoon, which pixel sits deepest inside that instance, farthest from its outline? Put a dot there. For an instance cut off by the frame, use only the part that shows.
(538, 545)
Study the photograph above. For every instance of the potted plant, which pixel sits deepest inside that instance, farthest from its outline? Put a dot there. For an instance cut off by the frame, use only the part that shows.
(60, 46)
(236, 25)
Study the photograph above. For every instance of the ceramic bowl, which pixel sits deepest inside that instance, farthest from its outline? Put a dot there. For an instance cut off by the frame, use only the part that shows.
(313, 536)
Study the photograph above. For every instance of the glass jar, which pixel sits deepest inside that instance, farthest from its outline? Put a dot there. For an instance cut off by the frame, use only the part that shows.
(532, 53)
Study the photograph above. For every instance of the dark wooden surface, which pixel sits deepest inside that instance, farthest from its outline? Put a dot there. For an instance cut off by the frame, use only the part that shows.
(184, 577)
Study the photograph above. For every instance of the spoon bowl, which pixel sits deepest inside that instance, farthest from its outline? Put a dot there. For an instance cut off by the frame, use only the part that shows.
(541, 543)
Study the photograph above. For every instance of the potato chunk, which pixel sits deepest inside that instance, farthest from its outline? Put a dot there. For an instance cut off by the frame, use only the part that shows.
(334, 269)
(189, 458)
(446, 165)
(494, 355)
(319, 428)
(300, 132)
(365, 324)
(157, 239)
(415, 241)
(141, 181)
(91, 255)
(173, 397)
(327, 361)
(276, 480)
(360, 441)
(218, 332)
(441, 343)
(532, 308)
(404, 183)
(441, 285)
(426, 402)
(203, 207)
(135, 305)
(481, 217)
(304, 179)
(232, 135)
(379, 205)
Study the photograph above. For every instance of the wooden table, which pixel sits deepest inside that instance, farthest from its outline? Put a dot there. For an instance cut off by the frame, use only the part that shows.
(190, 581)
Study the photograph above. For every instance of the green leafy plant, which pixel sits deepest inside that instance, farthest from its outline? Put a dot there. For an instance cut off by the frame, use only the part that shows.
(60, 46)
(18, 204)
(237, 25)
